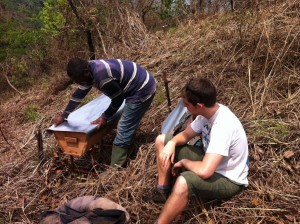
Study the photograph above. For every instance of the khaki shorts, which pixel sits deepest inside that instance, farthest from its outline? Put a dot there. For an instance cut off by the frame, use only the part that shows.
(215, 187)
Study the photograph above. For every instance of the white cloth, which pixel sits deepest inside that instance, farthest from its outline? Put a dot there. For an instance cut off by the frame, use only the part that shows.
(174, 117)
(80, 119)
(223, 134)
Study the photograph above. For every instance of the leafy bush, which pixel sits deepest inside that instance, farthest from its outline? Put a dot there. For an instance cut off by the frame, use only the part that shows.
(30, 114)
(159, 96)
(86, 100)
(51, 16)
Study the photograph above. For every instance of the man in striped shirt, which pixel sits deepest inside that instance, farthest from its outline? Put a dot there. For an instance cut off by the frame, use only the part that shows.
(120, 80)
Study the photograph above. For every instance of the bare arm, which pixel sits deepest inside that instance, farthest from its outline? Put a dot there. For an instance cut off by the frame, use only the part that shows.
(75, 100)
(203, 169)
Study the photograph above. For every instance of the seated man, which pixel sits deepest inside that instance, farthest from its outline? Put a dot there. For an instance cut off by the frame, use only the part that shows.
(216, 170)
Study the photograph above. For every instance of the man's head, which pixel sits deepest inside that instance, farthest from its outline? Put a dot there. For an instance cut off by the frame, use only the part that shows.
(78, 71)
(200, 91)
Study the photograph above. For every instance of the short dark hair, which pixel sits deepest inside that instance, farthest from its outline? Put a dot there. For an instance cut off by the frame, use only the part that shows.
(200, 90)
(77, 68)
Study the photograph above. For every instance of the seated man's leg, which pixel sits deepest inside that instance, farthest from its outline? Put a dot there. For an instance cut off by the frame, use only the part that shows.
(181, 152)
(176, 202)
(188, 152)
(164, 172)
(215, 187)
(189, 185)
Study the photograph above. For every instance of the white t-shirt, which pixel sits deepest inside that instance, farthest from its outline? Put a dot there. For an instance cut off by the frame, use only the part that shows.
(224, 134)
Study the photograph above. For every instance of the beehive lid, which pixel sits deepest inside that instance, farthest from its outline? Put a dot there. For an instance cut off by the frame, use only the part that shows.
(174, 117)
(80, 119)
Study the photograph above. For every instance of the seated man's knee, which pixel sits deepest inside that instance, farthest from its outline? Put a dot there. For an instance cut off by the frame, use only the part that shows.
(160, 141)
(181, 186)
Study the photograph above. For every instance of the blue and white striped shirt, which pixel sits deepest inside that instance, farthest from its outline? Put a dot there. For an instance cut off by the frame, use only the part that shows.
(119, 80)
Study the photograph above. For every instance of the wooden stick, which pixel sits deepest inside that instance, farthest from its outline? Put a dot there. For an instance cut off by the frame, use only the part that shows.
(40, 144)
(166, 82)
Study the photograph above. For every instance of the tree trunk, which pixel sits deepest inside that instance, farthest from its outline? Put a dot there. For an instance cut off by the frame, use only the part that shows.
(88, 33)
(232, 5)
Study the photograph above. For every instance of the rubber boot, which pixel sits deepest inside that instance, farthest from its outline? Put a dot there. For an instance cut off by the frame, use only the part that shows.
(118, 156)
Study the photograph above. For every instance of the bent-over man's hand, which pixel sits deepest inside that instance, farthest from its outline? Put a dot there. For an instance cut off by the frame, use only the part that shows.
(100, 122)
(57, 120)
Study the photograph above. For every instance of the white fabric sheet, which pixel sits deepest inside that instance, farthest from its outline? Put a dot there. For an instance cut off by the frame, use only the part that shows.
(80, 119)
(173, 119)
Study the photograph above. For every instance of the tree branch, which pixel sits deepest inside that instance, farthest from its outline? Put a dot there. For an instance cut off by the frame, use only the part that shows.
(5, 75)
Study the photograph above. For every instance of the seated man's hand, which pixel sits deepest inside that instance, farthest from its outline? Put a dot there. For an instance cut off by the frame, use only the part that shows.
(100, 122)
(167, 154)
(177, 168)
(58, 119)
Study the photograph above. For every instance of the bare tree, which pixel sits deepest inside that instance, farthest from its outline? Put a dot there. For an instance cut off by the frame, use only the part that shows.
(146, 9)
(88, 32)
(196, 6)
(211, 6)
(142, 7)
(232, 5)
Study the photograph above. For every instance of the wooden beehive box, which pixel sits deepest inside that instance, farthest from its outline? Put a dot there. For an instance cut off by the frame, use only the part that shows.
(76, 136)
(78, 143)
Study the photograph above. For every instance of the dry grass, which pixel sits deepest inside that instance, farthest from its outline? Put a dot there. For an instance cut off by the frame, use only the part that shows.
(253, 57)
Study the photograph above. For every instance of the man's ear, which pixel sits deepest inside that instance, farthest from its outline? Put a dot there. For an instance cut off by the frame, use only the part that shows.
(87, 74)
(200, 105)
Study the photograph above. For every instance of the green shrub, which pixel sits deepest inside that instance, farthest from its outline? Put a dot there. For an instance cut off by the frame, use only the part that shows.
(160, 96)
(273, 130)
(86, 100)
(30, 114)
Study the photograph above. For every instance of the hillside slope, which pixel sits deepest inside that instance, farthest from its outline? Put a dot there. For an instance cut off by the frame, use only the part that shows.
(252, 57)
